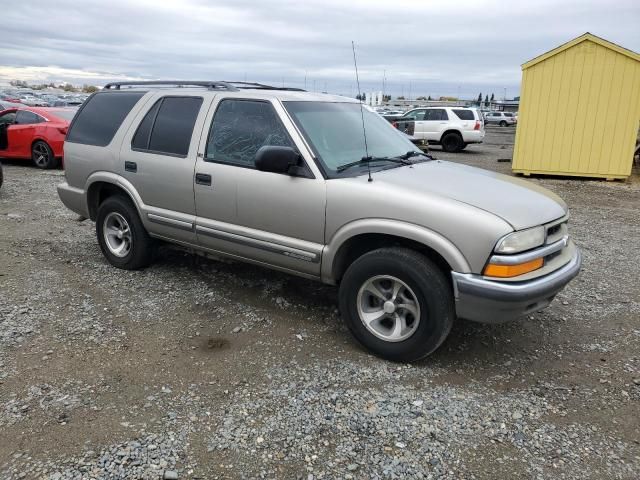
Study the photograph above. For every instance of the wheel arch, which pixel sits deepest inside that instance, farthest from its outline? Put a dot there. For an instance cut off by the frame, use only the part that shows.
(451, 130)
(103, 185)
(359, 237)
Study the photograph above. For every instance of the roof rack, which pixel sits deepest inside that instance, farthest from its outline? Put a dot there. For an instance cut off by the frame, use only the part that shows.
(261, 86)
(211, 85)
(175, 83)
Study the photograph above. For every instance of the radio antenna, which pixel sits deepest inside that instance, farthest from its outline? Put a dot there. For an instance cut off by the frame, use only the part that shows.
(366, 158)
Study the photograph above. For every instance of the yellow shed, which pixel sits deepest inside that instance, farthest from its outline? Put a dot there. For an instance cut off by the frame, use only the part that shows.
(579, 111)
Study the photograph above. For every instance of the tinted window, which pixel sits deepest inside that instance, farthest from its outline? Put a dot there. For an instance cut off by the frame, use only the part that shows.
(436, 114)
(174, 123)
(23, 117)
(8, 117)
(508, 114)
(464, 114)
(240, 128)
(143, 134)
(101, 116)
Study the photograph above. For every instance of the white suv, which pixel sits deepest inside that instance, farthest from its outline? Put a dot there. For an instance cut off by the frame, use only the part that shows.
(452, 127)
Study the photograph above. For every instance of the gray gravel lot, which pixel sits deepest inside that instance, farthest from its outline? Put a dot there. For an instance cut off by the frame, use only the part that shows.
(206, 369)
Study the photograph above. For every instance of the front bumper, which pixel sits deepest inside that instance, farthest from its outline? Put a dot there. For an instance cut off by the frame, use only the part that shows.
(490, 301)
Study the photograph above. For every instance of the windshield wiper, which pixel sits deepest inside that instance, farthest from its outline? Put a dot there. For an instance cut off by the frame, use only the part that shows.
(367, 160)
(413, 153)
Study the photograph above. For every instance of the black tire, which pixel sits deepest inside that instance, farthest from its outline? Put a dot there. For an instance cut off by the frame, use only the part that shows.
(42, 155)
(1, 175)
(452, 142)
(140, 251)
(464, 145)
(432, 293)
(503, 123)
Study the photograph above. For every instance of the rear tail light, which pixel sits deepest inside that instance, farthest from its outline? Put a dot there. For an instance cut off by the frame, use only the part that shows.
(477, 125)
(63, 130)
(395, 124)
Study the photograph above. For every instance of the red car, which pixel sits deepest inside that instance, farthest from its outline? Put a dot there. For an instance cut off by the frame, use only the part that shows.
(36, 133)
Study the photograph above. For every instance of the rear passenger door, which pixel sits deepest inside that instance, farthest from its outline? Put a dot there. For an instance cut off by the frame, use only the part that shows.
(158, 157)
(435, 123)
(271, 218)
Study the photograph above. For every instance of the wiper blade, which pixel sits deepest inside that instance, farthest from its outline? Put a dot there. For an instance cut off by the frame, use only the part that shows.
(413, 153)
(367, 160)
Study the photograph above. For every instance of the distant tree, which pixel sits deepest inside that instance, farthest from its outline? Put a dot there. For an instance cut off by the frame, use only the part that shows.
(493, 97)
(421, 98)
(89, 89)
(67, 87)
(480, 97)
(429, 98)
(386, 98)
(486, 98)
(18, 83)
(401, 98)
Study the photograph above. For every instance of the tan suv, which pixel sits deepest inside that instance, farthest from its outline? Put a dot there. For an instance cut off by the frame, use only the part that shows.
(318, 186)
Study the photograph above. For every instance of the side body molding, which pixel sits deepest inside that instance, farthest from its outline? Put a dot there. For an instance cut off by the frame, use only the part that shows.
(383, 226)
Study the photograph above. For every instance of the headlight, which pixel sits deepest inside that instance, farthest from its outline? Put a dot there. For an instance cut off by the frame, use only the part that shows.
(520, 241)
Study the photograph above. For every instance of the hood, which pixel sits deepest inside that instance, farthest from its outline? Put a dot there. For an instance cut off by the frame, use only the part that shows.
(520, 203)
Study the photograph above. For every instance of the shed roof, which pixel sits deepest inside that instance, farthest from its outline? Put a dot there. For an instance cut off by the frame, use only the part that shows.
(582, 38)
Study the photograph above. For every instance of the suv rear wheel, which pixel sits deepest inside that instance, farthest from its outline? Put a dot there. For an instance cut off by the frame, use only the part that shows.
(397, 303)
(503, 123)
(123, 239)
(452, 142)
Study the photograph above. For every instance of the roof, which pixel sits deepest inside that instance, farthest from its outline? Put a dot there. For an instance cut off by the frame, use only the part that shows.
(582, 38)
(282, 95)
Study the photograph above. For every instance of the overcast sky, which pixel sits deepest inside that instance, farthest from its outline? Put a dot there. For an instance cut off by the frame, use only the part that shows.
(429, 47)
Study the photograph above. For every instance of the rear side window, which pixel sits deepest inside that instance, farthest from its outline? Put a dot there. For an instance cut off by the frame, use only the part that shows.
(508, 114)
(436, 114)
(100, 117)
(24, 117)
(167, 128)
(464, 114)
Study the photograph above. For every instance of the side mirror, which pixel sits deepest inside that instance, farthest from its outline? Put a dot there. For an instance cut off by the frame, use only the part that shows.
(279, 160)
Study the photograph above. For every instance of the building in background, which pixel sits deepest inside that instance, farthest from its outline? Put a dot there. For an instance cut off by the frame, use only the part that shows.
(579, 111)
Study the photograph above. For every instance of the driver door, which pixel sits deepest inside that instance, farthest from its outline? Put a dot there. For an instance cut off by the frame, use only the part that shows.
(269, 218)
(6, 120)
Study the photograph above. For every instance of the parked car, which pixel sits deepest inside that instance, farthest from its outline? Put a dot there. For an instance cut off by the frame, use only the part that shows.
(1, 175)
(4, 105)
(452, 127)
(285, 179)
(503, 119)
(36, 133)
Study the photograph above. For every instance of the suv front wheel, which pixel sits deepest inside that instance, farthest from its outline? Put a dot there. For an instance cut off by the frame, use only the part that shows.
(397, 303)
(123, 239)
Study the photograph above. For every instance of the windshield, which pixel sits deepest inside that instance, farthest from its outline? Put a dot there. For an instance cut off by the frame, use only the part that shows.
(334, 131)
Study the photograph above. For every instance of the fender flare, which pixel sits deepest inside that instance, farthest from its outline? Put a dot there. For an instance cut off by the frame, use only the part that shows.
(440, 244)
(118, 181)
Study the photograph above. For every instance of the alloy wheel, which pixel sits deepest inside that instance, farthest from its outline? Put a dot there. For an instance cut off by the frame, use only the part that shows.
(388, 308)
(117, 234)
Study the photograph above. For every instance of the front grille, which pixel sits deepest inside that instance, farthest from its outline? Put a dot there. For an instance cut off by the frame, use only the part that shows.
(556, 230)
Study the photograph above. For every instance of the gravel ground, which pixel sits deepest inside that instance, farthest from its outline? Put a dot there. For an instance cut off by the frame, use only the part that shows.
(201, 369)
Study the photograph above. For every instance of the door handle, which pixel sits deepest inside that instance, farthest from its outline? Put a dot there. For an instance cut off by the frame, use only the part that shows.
(203, 179)
(131, 167)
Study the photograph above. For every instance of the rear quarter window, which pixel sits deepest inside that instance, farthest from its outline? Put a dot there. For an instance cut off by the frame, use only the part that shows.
(100, 117)
(464, 114)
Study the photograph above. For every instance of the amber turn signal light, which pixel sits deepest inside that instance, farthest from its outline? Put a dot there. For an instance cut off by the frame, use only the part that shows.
(506, 271)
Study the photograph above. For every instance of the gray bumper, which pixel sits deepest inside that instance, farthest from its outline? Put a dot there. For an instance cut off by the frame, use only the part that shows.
(74, 199)
(491, 301)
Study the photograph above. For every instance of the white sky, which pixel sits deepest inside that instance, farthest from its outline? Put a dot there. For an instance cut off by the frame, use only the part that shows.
(431, 47)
